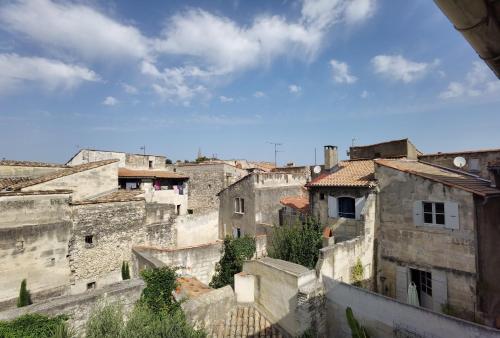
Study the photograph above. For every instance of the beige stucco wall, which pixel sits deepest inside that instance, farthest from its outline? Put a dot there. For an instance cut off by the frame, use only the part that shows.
(25, 171)
(195, 230)
(34, 235)
(85, 184)
(423, 247)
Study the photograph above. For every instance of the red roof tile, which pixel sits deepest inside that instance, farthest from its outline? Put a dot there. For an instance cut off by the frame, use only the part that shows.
(442, 175)
(300, 203)
(355, 173)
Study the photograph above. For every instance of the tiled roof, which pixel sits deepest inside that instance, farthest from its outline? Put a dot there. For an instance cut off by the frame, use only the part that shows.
(6, 182)
(245, 321)
(442, 175)
(115, 196)
(355, 173)
(300, 203)
(125, 172)
(190, 287)
(31, 164)
(58, 174)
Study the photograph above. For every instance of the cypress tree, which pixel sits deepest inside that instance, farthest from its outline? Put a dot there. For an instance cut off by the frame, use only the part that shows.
(24, 295)
(125, 271)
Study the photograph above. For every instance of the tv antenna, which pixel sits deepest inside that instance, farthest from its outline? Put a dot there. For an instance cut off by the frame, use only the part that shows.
(143, 148)
(276, 151)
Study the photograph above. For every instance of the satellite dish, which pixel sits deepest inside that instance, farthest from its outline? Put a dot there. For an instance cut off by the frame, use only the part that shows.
(459, 162)
(317, 169)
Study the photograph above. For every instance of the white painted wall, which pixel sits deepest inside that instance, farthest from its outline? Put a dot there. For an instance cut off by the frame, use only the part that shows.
(197, 229)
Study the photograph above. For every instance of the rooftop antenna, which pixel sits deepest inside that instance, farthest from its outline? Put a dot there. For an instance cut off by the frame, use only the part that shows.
(276, 151)
(352, 141)
(315, 156)
(143, 148)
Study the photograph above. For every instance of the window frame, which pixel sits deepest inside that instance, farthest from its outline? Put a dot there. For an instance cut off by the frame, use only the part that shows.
(342, 214)
(239, 205)
(434, 214)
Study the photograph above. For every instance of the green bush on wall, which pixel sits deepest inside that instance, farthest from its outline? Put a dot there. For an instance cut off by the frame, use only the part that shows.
(24, 295)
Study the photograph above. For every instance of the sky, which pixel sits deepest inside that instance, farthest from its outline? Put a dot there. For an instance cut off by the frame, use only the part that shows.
(228, 77)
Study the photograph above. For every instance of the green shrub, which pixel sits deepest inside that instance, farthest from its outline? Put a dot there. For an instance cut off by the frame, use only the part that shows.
(357, 330)
(125, 271)
(105, 322)
(357, 273)
(298, 244)
(32, 325)
(24, 295)
(234, 252)
(160, 283)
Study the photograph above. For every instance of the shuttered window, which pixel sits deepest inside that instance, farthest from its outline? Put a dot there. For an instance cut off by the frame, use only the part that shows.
(439, 214)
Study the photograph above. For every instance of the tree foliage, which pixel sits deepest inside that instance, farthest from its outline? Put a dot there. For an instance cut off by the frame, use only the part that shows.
(125, 271)
(235, 252)
(357, 273)
(160, 283)
(32, 326)
(24, 295)
(298, 244)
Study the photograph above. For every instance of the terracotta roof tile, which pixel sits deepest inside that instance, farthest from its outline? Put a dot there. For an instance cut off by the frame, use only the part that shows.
(116, 196)
(442, 175)
(125, 172)
(30, 164)
(300, 203)
(355, 173)
(6, 182)
(58, 174)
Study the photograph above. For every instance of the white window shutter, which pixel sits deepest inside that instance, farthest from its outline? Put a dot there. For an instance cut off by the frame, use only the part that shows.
(439, 289)
(332, 207)
(360, 203)
(402, 283)
(235, 232)
(418, 216)
(451, 219)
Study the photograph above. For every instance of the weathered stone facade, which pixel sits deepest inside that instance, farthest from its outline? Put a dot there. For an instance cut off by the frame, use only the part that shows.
(476, 161)
(126, 160)
(448, 254)
(206, 180)
(261, 193)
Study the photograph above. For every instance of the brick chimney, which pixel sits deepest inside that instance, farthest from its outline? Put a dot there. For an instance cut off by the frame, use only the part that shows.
(331, 157)
(494, 169)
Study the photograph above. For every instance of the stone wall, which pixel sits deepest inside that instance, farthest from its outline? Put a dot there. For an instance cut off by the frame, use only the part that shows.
(79, 307)
(441, 251)
(481, 158)
(133, 161)
(197, 261)
(138, 161)
(206, 181)
(34, 235)
(385, 317)
(337, 260)
(85, 184)
(115, 228)
(193, 230)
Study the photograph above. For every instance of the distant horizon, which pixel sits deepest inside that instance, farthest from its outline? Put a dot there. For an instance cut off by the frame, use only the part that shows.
(231, 76)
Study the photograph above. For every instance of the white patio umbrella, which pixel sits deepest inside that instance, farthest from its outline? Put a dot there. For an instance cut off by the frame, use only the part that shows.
(413, 294)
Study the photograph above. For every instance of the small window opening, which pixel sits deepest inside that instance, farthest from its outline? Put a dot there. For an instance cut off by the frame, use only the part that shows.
(321, 196)
(433, 213)
(89, 239)
(190, 211)
(178, 209)
(150, 164)
(91, 286)
(347, 207)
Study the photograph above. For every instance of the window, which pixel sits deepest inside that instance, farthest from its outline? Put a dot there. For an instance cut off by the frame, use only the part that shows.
(474, 164)
(178, 209)
(236, 232)
(347, 207)
(322, 196)
(89, 240)
(239, 205)
(150, 164)
(433, 213)
(190, 211)
(91, 286)
(423, 282)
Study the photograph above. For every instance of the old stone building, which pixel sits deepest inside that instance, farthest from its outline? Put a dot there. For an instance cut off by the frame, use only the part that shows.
(125, 160)
(253, 203)
(389, 149)
(437, 230)
(476, 161)
(206, 179)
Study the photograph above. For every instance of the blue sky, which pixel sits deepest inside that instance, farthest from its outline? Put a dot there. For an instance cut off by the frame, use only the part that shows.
(229, 76)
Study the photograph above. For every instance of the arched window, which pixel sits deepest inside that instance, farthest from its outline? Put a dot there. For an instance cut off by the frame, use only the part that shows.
(347, 207)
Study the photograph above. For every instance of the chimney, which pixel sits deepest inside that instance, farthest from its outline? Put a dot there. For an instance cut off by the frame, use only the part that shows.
(331, 157)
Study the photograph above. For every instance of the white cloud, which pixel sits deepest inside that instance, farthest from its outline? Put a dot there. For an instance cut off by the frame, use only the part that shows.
(324, 13)
(397, 68)
(129, 89)
(74, 28)
(294, 89)
(259, 94)
(110, 101)
(479, 81)
(225, 99)
(16, 70)
(340, 71)
(364, 94)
